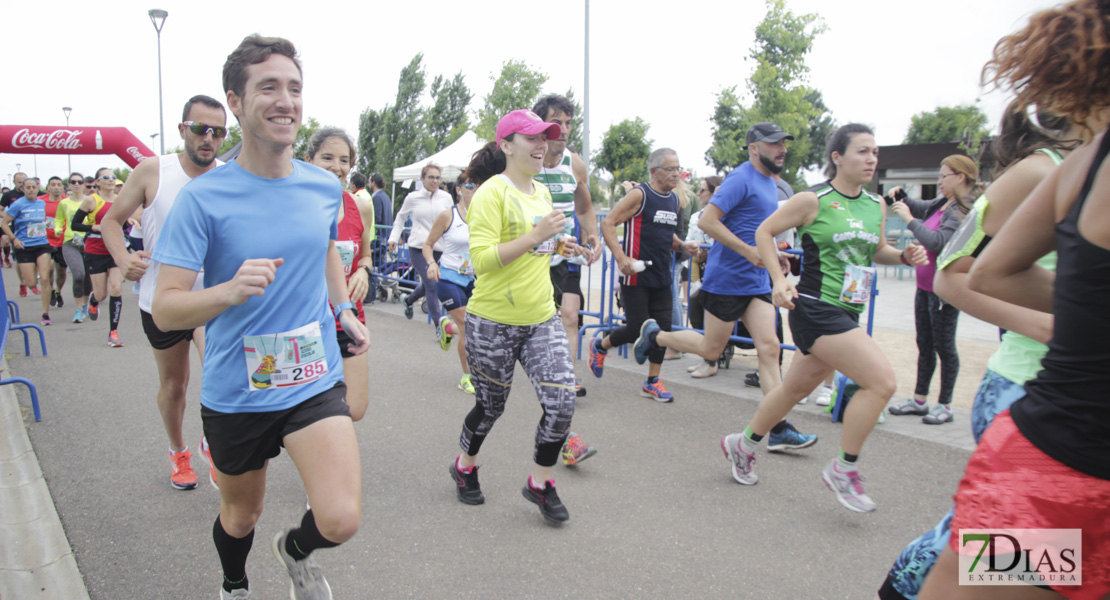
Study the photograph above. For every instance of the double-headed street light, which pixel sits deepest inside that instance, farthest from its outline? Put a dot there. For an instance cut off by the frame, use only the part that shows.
(158, 18)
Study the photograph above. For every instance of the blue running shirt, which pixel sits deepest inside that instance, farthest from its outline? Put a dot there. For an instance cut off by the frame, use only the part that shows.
(229, 215)
(747, 198)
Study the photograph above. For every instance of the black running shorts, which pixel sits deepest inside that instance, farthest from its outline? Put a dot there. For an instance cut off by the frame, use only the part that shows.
(243, 442)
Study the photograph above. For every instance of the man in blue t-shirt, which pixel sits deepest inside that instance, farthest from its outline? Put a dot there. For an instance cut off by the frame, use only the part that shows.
(736, 286)
(262, 228)
(25, 223)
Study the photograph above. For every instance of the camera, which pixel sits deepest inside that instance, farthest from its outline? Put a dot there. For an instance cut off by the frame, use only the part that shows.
(899, 195)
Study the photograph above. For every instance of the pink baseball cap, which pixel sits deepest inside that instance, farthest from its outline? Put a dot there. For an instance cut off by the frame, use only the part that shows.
(526, 122)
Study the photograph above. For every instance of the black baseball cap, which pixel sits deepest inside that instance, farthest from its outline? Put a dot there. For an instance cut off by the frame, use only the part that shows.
(767, 132)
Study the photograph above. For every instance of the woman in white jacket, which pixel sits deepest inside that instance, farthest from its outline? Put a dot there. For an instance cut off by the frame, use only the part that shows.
(424, 205)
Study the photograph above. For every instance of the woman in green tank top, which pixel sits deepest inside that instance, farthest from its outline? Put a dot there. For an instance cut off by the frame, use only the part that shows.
(841, 231)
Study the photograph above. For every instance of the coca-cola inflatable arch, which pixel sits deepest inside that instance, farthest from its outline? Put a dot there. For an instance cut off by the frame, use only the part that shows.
(42, 139)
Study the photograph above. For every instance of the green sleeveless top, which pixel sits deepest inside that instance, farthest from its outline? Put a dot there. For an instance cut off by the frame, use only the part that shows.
(839, 248)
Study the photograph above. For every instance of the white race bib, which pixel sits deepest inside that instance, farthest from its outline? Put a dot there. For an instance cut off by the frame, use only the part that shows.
(36, 229)
(285, 359)
(857, 284)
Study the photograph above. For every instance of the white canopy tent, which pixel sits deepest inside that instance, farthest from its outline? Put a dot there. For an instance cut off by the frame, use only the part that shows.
(452, 159)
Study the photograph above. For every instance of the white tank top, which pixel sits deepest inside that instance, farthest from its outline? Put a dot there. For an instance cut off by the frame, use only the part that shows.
(171, 178)
(456, 245)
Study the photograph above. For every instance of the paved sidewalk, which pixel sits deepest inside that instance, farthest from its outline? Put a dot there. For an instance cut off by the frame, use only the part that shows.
(35, 558)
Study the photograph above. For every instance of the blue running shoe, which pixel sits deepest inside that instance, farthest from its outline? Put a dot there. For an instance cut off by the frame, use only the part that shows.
(656, 391)
(790, 439)
(643, 343)
(597, 357)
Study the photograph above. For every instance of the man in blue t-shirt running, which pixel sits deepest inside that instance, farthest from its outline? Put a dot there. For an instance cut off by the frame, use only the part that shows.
(736, 286)
(262, 228)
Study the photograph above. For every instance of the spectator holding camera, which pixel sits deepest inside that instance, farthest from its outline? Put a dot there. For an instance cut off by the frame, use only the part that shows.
(933, 222)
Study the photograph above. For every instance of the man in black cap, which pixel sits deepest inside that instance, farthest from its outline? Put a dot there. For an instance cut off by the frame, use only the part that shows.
(736, 286)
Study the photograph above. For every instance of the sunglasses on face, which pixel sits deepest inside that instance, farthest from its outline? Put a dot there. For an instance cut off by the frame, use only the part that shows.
(469, 186)
(76, 181)
(108, 177)
(203, 129)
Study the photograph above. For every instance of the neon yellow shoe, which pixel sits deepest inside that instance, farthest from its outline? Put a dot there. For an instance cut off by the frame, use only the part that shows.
(441, 333)
(466, 385)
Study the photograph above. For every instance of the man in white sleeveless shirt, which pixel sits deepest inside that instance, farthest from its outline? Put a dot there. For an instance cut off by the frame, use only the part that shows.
(148, 196)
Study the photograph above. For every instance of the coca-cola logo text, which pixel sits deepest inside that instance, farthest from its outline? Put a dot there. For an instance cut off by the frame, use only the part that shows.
(133, 151)
(59, 139)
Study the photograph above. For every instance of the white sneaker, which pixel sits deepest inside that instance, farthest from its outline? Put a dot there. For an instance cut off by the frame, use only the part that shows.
(704, 370)
(824, 395)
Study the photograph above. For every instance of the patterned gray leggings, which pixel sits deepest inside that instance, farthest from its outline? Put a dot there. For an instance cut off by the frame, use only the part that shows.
(492, 350)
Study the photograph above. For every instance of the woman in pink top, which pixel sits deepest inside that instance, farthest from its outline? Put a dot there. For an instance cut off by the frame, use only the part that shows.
(933, 222)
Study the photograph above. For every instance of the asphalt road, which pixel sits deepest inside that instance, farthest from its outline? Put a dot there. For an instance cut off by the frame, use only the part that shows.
(655, 514)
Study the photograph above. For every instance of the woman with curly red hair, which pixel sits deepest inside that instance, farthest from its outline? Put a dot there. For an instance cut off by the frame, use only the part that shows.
(1044, 464)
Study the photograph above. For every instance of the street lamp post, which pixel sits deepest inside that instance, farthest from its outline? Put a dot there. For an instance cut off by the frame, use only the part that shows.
(158, 18)
(67, 110)
(152, 136)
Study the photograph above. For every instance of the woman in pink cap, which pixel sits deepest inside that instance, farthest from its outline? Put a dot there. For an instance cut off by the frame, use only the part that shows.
(511, 315)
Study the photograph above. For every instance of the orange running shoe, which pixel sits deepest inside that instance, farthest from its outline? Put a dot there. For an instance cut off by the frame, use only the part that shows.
(113, 339)
(182, 476)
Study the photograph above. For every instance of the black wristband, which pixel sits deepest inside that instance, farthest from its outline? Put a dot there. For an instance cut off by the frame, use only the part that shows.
(369, 274)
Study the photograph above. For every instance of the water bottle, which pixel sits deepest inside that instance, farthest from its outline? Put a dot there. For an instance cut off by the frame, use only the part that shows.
(640, 265)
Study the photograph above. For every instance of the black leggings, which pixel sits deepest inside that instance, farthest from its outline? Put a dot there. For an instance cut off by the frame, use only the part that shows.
(936, 336)
(640, 304)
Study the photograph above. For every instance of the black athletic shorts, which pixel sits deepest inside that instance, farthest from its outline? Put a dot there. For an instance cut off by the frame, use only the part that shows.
(56, 254)
(163, 340)
(812, 319)
(98, 263)
(565, 281)
(729, 308)
(30, 254)
(243, 442)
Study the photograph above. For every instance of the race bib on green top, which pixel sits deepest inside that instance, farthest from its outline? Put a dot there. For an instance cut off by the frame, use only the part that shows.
(857, 284)
(285, 359)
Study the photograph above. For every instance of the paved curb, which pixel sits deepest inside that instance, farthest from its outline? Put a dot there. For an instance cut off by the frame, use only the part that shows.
(36, 560)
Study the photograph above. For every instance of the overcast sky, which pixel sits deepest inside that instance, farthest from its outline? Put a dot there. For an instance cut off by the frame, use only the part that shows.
(880, 62)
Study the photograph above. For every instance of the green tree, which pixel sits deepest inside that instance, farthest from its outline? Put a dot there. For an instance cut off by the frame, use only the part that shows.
(778, 92)
(446, 120)
(517, 87)
(820, 129)
(624, 151)
(369, 128)
(234, 136)
(947, 124)
(121, 173)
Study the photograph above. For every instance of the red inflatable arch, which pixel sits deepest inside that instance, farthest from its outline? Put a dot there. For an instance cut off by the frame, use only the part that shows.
(42, 139)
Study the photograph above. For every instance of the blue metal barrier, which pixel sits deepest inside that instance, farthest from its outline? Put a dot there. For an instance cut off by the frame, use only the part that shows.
(8, 327)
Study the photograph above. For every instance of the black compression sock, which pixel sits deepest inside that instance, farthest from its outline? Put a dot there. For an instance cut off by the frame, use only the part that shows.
(115, 308)
(651, 339)
(233, 555)
(303, 540)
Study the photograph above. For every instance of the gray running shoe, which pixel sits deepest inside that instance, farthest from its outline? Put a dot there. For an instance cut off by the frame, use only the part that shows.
(742, 464)
(938, 416)
(236, 594)
(307, 577)
(909, 407)
(848, 488)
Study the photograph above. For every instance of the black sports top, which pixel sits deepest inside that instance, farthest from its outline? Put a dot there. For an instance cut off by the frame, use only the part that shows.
(1066, 410)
